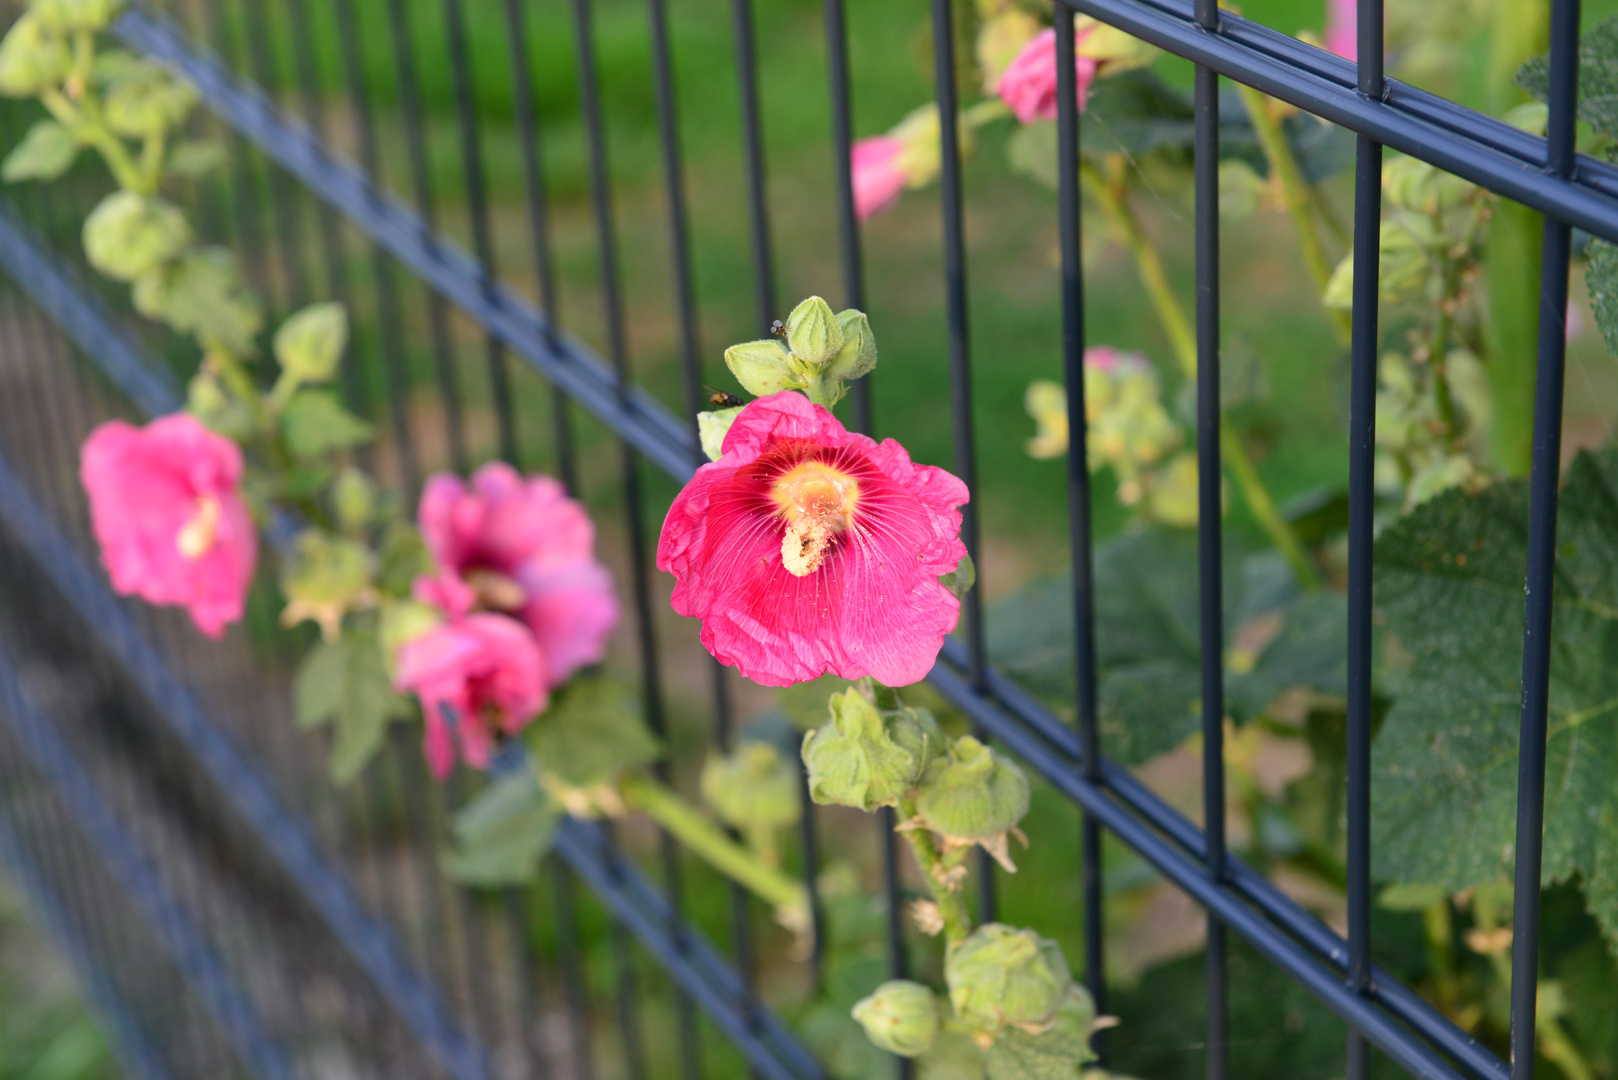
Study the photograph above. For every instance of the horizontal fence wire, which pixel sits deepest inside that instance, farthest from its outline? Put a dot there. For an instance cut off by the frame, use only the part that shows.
(1488, 152)
(696, 967)
(1573, 191)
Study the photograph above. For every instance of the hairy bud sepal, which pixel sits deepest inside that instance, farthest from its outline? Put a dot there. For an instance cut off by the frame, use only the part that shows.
(972, 795)
(1003, 976)
(813, 335)
(866, 758)
(763, 367)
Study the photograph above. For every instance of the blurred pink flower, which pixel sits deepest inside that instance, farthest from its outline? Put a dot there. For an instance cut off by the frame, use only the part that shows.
(878, 180)
(166, 507)
(1029, 82)
(488, 670)
(1342, 33)
(523, 547)
(806, 549)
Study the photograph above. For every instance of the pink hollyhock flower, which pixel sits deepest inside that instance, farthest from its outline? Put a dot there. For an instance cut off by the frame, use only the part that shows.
(1342, 32)
(1029, 82)
(488, 670)
(878, 180)
(525, 548)
(806, 549)
(167, 510)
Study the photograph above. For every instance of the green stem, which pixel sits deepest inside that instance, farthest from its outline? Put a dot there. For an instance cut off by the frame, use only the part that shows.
(151, 159)
(1438, 353)
(1298, 196)
(1439, 928)
(1556, 1045)
(86, 125)
(951, 906)
(709, 842)
(1150, 267)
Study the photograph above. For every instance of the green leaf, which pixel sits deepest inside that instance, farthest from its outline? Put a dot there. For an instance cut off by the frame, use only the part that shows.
(196, 157)
(1598, 77)
(310, 342)
(45, 153)
(500, 835)
(592, 732)
(202, 293)
(1147, 639)
(315, 424)
(345, 684)
(1054, 1055)
(1450, 585)
(1601, 278)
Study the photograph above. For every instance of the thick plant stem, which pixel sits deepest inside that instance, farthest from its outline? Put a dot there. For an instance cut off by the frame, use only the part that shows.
(951, 906)
(84, 122)
(1178, 328)
(1298, 195)
(709, 843)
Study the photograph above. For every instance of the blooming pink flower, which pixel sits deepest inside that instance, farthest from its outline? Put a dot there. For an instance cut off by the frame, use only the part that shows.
(1029, 82)
(878, 180)
(523, 547)
(166, 507)
(806, 549)
(488, 670)
(1342, 33)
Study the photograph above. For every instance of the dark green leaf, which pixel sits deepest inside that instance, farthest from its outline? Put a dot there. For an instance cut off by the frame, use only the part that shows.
(315, 424)
(1147, 639)
(500, 835)
(45, 153)
(1601, 278)
(592, 732)
(1598, 77)
(1450, 584)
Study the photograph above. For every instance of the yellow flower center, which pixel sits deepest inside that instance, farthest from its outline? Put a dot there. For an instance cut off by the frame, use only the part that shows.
(817, 502)
(199, 534)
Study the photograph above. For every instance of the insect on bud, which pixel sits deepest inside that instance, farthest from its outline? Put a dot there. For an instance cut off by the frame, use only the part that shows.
(866, 758)
(1001, 975)
(900, 1016)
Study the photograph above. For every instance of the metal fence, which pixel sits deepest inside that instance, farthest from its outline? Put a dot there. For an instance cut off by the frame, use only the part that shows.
(148, 781)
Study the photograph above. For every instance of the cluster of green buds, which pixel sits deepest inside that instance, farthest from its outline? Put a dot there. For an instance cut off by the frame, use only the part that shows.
(865, 757)
(1128, 429)
(754, 790)
(816, 350)
(1420, 450)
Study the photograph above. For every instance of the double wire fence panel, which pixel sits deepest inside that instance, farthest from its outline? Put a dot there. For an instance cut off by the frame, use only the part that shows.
(525, 285)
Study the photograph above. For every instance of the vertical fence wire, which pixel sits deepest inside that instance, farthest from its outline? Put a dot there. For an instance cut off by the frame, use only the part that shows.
(575, 993)
(1545, 476)
(404, 62)
(960, 362)
(1361, 525)
(1080, 528)
(1210, 513)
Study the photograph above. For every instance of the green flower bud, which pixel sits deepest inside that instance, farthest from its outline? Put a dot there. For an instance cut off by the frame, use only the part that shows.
(865, 758)
(752, 788)
(326, 577)
(32, 58)
(354, 496)
(813, 335)
(763, 367)
(65, 16)
(127, 234)
(712, 427)
(858, 355)
(1001, 975)
(310, 342)
(148, 101)
(899, 1016)
(972, 794)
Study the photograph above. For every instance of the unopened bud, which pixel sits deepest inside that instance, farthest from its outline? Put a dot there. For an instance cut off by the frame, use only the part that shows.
(712, 427)
(858, 355)
(813, 335)
(900, 1016)
(310, 342)
(128, 234)
(752, 788)
(327, 577)
(66, 16)
(865, 758)
(1001, 975)
(32, 58)
(354, 496)
(146, 101)
(972, 792)
(763, 367)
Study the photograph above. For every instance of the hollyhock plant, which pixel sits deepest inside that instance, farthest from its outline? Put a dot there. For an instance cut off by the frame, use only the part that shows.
(520, 546)
(878, 180)
(167, 510)
(1029, 83)
(473, 675)
(807, 549)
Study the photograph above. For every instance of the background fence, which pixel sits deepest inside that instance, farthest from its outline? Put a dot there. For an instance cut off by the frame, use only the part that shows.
(230, 913)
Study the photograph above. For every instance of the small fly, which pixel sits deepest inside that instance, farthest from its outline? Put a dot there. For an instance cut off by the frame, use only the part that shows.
(721, 400)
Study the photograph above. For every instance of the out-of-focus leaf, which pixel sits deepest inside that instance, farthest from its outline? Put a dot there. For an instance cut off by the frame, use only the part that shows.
(501, 834)
(592, 732)
(202, 293)
(45, 153)
(1450, 584)
(197, 157)
(345, 683)
(314, 424)
(1598, 77)
(1601, 278)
